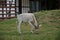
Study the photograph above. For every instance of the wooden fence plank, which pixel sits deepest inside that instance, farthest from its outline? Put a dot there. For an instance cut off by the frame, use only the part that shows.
(7, 9)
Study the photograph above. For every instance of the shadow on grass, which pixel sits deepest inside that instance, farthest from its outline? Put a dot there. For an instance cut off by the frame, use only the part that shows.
(1, 38)
(17, 34)
(58, 35)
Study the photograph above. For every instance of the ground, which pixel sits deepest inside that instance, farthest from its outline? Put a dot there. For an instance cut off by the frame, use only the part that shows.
(50, 29)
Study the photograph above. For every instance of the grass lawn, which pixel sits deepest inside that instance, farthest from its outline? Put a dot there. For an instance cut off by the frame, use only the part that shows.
(50, 29)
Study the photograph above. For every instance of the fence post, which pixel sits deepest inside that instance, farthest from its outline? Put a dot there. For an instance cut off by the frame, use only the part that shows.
(9, 13)
(15, 8)
(2, 9)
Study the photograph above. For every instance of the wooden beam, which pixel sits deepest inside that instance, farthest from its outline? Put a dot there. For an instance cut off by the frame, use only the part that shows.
(20, 6)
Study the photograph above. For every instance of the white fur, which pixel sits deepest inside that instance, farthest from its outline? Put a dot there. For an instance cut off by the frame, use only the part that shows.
(26, 17)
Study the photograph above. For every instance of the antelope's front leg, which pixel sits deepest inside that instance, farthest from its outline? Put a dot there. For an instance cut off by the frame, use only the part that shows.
(19, 26)
(32, 27)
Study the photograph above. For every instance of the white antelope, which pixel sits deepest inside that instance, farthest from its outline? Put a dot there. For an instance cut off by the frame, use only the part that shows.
(27, 17)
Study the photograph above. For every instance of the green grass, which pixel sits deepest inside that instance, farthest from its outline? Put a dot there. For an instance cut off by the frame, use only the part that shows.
(50, 29)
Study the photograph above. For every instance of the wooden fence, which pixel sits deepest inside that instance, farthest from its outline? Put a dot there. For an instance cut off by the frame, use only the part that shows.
(7, 9)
